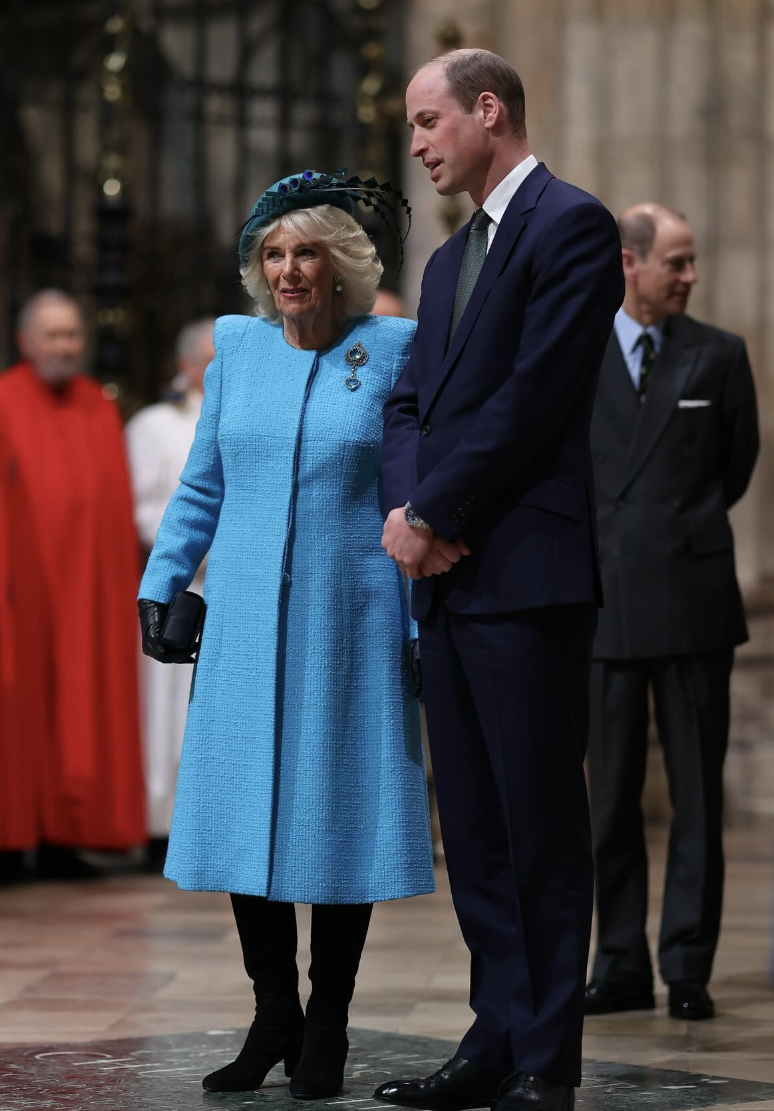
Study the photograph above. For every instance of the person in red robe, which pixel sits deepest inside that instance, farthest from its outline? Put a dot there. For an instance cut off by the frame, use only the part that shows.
(71, 505)
(22, 722)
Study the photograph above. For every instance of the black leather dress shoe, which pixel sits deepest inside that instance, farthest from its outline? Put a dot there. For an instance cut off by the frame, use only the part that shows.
(604, 998)
(523, 1092)
(457, 1085)
(690, 1000)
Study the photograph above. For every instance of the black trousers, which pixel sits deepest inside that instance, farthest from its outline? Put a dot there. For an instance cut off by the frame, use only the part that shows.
(507, 710)
(691, 700)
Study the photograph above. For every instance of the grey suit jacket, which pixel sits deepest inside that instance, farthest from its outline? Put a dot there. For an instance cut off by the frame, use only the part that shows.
(666, 472)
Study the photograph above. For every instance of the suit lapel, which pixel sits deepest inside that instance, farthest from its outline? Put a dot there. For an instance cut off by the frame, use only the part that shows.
(671, 375)
(452, 265)
(511, 226)
(616, 393)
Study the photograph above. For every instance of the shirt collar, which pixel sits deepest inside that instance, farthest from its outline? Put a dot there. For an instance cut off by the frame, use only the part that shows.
(502, 195)
(628, 330)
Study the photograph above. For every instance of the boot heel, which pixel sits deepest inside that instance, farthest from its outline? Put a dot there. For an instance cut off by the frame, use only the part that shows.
(260, 1053)
(320, 1071)
(293, 1055)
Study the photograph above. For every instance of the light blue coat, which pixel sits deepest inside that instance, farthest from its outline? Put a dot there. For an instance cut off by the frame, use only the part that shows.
(302, 775)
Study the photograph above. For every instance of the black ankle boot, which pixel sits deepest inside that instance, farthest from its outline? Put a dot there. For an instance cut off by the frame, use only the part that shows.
(338, 936)
(320, 1072)
(269, 1041)
(267, 933)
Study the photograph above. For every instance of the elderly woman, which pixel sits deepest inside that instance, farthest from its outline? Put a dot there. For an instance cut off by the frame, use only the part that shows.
(302, 777)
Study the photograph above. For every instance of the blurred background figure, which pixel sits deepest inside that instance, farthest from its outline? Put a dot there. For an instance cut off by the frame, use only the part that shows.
(674, 441)
(72, 502)
(388, 303)
(22, 718)
(159, 438)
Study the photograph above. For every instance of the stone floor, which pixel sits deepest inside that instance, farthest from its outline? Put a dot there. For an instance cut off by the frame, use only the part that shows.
(121, 993)
(164, 1073)
(129, 963)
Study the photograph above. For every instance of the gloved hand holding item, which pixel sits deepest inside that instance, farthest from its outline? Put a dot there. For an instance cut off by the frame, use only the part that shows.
(152, 618)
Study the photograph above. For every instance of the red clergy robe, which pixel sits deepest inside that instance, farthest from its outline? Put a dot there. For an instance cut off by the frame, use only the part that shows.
(72, 511)
(22, 710)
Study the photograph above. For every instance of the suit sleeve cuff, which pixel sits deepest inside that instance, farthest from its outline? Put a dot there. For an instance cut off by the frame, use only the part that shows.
(446, 523)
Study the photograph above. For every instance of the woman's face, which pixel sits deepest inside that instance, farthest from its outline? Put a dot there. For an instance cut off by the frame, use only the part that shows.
(299, 274)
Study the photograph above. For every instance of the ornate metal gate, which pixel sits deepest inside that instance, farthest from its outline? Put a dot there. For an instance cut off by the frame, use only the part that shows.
(137, 133)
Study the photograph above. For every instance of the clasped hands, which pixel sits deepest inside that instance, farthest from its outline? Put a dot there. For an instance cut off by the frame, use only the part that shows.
(419, 552)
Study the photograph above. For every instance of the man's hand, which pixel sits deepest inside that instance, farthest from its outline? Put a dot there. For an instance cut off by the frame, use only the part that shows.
(443, 555)
(408, 546)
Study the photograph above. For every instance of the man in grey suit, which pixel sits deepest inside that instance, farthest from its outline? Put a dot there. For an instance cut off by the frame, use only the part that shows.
(674, 440)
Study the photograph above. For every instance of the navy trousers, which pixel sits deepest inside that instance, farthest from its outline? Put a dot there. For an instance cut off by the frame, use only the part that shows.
(507, 699)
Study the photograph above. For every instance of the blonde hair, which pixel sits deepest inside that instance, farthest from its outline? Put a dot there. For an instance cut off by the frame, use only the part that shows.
(352, 253)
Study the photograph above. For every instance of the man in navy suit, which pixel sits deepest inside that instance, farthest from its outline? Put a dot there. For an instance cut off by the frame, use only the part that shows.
(489, 487)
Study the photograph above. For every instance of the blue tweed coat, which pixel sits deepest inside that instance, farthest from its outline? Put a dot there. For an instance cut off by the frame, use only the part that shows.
(302, 775)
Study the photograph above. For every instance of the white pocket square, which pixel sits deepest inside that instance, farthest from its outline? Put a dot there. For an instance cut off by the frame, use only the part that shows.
(692, 403)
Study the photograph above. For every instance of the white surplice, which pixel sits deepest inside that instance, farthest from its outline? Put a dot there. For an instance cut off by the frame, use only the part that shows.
(159, 438)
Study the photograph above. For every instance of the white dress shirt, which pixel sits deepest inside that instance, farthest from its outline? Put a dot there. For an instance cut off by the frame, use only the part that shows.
(628, 332)
(502, 195)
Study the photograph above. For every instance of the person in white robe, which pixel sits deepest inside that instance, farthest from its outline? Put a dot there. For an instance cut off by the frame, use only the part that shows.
(159, 438)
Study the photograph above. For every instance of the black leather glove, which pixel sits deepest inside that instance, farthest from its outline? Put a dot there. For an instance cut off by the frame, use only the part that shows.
(415, 665)
(152, 617)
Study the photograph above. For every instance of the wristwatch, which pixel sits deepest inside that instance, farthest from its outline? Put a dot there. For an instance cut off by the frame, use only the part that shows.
(414, 519)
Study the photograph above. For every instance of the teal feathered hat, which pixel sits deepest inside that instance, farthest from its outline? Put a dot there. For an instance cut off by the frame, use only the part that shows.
(312, 188)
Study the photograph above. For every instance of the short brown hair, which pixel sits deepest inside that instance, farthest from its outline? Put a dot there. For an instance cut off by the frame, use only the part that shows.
(469, 73)
(637, 228)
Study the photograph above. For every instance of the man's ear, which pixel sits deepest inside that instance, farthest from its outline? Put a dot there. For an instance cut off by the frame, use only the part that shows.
(491, 109)
(630, 264)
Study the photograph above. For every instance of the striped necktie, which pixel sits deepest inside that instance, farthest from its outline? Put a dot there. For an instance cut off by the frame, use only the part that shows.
(646, 366)
(472, 261)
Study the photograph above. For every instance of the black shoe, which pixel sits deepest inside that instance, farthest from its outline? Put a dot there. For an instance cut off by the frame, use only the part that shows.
(320, 1072)
(604, 998)
(13, 867)
(523, 1092)
(263, 1049)
(156, 854)
(457, 1085)
(690, 1000)
(59, 862)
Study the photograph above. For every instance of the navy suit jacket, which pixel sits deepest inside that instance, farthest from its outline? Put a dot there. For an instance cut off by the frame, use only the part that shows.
(488, 437)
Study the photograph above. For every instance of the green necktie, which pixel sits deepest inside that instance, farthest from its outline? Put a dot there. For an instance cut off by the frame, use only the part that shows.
(646, 366)
(472, 261)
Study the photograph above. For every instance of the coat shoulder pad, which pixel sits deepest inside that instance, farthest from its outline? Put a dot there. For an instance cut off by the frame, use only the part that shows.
(571, 195)
(232, 327)
(697, 332)
(390, 332)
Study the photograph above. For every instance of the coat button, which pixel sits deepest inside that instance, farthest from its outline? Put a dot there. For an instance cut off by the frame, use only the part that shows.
(425, 430)
(285, 578)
